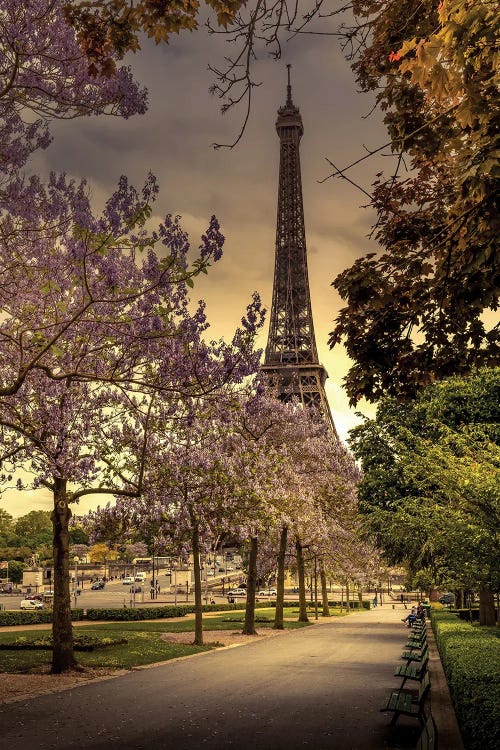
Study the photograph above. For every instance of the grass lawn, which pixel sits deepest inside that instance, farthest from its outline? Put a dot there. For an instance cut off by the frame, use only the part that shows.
(144, 646)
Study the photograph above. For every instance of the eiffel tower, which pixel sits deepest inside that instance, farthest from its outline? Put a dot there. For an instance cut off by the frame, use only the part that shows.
(291, 361)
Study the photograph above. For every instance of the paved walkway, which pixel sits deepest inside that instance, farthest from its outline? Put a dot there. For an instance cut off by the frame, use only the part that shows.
(318, 688)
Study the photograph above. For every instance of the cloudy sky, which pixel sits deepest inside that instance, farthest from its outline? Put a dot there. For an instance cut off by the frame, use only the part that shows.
(174, 140)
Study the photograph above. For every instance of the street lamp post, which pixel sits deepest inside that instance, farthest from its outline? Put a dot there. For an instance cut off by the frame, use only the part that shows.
(153, 580)
(315, 586)
(75, 583)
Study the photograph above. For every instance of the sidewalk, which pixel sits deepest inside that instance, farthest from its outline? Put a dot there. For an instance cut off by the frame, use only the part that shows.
(338, 673)
(441, 705)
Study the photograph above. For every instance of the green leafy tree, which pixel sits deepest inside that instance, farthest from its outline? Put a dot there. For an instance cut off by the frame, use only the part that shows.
(15, 571)
(78, 535)
(431, 478)
(6, 527)
(15, 553)
(34, 529)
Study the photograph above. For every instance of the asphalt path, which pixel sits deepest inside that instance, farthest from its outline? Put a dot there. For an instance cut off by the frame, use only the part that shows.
(319, 687)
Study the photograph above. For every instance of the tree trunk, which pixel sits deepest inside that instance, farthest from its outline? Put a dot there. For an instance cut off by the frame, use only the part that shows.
(360, 597)
(280, 583)
(486, 607)
(348, 596)
(198, 614)
(302, 583)
(324, 590)
(249, 626)
(62, 629)
(459, 598)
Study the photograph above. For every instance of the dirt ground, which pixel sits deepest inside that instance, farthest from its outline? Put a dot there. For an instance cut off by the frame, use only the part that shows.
(20, 686)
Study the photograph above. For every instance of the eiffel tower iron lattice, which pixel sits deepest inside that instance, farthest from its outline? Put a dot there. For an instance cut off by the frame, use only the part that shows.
(291, 361)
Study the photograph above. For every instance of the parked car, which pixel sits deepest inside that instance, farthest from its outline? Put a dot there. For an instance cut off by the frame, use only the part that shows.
(447, 598)
(140, 577)
(128, 580)
(237, 592)
(31, 604)
(268, 592)
(134, 589)
(97, 585)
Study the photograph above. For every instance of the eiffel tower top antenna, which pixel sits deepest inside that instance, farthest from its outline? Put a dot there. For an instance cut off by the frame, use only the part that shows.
(289, 87)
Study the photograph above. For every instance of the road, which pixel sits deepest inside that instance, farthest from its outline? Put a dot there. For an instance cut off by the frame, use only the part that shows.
(319, 688)
(115, 594)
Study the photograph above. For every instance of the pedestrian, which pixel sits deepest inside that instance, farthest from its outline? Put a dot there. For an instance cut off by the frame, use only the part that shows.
(151, 593)
(374, 602)
(411, 617)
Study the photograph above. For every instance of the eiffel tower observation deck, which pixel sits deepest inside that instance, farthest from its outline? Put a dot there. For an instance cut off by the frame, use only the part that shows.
(291, 360)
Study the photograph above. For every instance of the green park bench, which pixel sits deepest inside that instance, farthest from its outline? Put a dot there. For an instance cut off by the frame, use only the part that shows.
(428, 739)
(414, 655)
(412, 672)
(419, 625)
(416, 641)
(404, 703)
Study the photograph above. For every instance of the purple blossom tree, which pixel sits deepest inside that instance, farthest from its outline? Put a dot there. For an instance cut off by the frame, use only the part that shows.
(44, 74)
(311, 492)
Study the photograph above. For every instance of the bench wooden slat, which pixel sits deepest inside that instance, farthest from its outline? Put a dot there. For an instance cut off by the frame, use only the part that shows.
(415, 655)
(412, 672)
(415, 645)
(404, 703)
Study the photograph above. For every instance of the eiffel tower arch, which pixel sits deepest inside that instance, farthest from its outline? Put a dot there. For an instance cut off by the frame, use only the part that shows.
(291, 362)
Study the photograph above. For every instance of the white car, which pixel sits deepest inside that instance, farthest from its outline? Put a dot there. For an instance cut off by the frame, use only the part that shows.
(237, 592)
(268, 592)
(140, 577)
(128, 580)
(31, 604)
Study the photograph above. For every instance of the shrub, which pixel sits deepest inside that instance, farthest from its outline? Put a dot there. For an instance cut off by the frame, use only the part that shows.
(152, 613)
(352, 604)
(32, 617)
(80, 643)
(471, 658)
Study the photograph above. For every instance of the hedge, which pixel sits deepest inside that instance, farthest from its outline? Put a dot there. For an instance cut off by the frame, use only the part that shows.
(365, 604)
(32, 617)
(154, 613)
(295, 603)
(471, 661)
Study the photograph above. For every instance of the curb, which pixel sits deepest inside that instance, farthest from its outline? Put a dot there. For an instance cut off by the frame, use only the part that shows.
(449, 736)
